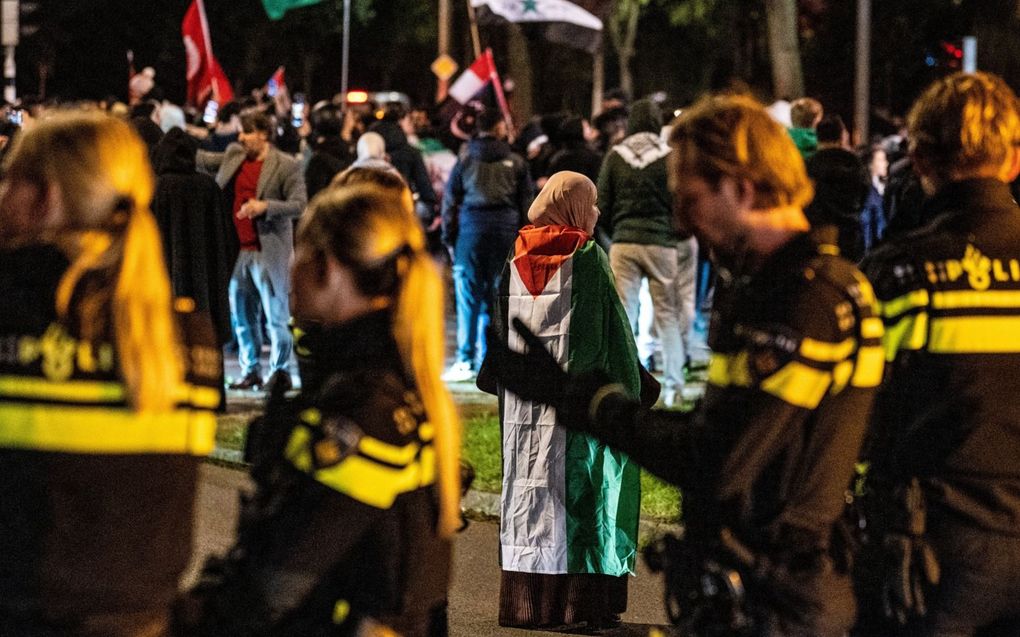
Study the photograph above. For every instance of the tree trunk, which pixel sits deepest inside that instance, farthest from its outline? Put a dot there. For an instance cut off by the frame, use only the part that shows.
(784, 48)
(519, 67)
(623, 33)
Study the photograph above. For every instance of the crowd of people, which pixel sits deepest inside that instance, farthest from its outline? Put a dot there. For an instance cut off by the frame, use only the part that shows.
(851, 469)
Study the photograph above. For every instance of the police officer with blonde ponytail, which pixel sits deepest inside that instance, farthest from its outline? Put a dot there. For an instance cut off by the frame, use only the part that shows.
(106, 390)
(357, 478)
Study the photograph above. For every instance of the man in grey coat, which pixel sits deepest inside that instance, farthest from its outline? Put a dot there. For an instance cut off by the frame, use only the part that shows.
(266, 193)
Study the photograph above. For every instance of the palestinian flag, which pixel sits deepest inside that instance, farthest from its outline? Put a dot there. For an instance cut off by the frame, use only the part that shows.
(570, 504)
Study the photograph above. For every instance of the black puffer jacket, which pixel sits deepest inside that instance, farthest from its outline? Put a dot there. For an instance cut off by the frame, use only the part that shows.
(407, 160)
(489, 191)
(199, 239)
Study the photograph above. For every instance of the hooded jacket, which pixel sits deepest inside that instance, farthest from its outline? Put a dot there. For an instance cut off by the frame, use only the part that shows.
(489, 190)
(199, 241)
(633, 186)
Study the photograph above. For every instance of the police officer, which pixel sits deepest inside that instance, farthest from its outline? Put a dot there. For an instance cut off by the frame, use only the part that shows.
(105, 403)
(765, 462)
(348, 531)
(947, 422)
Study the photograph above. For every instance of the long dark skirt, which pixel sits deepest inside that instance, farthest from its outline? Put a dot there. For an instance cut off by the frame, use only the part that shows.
(532, 600)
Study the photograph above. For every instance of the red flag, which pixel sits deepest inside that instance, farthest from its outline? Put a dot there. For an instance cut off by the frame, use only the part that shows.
(206, 80)
(276, 82)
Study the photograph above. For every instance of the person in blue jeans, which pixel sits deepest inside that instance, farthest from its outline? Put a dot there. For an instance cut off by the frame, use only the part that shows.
(488, 193)
(266, 190)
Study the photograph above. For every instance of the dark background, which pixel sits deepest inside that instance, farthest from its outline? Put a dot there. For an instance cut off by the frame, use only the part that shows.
(80, 47)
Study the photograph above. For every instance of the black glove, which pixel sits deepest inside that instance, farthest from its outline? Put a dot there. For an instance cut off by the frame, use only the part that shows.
(534, 375)
(912, 568)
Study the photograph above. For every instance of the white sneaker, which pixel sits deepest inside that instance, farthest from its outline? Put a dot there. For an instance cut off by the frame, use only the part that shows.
(459, 372)
(670, 396)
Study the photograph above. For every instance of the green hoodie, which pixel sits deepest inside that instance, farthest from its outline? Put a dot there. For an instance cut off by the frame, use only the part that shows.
(634, 195)
(805, 139)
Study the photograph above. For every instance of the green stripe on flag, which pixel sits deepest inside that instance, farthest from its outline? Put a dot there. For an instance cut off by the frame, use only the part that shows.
(276, 8)
(603, 486)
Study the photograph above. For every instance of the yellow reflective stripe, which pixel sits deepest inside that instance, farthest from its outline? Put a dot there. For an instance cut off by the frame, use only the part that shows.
(825, 352)
(841, 376)
(198, 396)
(975, 335)
(899, 305)
(370, 482)
(312, 417)
(798, 384)
(386, 452)
(909, 333)
(870, 367)
(73, 390)
(872, 327)
(725, 370)
(298, 449)
(428, 465)
(105, 430)
(954, 299)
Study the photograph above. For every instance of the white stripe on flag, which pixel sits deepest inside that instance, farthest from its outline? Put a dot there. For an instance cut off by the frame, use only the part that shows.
(471, 80)
(533, 520)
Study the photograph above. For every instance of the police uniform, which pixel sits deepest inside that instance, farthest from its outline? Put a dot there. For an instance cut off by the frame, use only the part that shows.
(95, 497)
(949, 413)
(342, 527)
(765, 462)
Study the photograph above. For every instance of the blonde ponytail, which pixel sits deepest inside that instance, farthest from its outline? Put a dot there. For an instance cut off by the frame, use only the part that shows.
(101, 169)
(418, 330)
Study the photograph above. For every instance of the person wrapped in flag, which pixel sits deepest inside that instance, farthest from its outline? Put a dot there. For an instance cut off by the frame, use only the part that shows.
(765, 462)
(569, 511)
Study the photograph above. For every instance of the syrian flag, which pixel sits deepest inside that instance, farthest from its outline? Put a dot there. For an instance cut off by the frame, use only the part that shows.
(570, 503)
(558, 20)
(206, 80)
(276, 82)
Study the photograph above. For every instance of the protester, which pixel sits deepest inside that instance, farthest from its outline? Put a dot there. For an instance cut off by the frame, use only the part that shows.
(636, 205)
(945, 457)
(765, 461)
(266, 193)
(226, 130)
(357, 478)
(199, 240)
(486, 199)
(568, 528)
(104, 401)
(841, 185)
(371, 151)
(330, 153)
(394, 128)
(873, 222)
(805, 113)
(574, 153)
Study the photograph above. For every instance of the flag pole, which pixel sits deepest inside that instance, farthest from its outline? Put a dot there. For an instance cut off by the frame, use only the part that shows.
(475, 40)
(346, 50)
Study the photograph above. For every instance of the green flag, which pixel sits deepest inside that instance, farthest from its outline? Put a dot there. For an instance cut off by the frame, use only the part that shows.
(276, 8)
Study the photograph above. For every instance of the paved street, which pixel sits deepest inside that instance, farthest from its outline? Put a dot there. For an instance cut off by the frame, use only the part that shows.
(474, 597)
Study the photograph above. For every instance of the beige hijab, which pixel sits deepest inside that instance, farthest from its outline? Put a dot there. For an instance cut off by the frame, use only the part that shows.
(568, 199)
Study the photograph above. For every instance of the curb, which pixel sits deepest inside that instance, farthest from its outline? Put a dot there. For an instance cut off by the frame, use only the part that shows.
(476, 504)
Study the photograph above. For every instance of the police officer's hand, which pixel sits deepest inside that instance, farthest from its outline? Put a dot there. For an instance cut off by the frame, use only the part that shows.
(533, 375)
(913, 570)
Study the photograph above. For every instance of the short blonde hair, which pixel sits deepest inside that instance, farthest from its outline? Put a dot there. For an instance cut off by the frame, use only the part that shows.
(806, 112)
(963, 125)
(733, 136)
